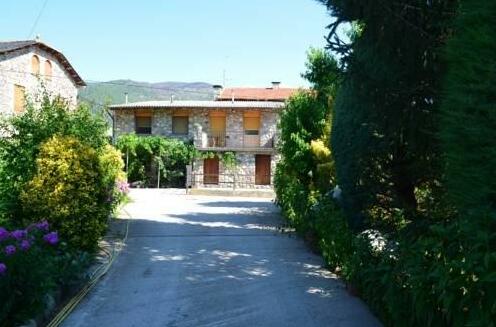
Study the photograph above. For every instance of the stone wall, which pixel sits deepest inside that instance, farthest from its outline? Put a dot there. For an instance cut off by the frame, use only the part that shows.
(124, 123)
(241, 177)
(268, 129)
(15, 68)
(199, 126)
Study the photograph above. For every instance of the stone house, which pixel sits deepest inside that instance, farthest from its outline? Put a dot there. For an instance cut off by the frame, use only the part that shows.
(28, 67)
(239, 120)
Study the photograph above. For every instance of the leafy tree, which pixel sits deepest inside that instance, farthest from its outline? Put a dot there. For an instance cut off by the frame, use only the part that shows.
(306, 167)
(144, 155)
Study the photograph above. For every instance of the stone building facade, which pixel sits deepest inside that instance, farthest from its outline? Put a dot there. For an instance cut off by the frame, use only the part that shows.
(28, 68)
(252, 148)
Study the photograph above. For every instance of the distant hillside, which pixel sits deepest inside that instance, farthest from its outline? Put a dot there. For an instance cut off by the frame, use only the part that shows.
(112, 92)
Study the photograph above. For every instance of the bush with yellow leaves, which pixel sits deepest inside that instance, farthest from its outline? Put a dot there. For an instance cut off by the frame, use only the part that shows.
(69, 190)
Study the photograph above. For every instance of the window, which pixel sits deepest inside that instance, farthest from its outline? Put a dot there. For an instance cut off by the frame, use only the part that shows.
(180, 123)
(251, 126)
(251, 122)
(48, 70)
(19, 99)
(35, 65)
(217, 133)
(143, 122)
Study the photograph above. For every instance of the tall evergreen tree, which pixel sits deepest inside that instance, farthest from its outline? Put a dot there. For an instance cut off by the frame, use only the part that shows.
(468, 114)
(384, 124)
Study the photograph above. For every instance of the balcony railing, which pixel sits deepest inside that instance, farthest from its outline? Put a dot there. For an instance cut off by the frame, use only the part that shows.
(215, 139)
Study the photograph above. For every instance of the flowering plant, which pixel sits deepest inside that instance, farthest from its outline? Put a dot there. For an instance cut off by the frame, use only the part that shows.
(32, 261)
(20, 241)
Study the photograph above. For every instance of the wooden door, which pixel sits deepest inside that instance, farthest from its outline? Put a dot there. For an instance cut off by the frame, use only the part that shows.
(262, 169)
(211, 171)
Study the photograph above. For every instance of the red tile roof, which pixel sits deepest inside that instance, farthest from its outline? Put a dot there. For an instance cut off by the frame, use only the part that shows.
(256, 94)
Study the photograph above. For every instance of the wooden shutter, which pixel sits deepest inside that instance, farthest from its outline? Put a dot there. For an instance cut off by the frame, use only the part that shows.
(19, 99)
(217, 134)
(211, 171)
(252, 123)
(262, 169)
(218, 124)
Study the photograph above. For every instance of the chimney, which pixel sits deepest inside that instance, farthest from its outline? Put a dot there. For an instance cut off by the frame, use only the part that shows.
(217, 90)
(37, 38)
(171, 98)
(275, 85)
(125, 96)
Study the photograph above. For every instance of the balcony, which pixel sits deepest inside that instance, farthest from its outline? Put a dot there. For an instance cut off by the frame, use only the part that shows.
(234, 141)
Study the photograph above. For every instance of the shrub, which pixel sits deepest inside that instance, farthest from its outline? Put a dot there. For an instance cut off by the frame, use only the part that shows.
(67, 189)
(26, 133)
(113, 177)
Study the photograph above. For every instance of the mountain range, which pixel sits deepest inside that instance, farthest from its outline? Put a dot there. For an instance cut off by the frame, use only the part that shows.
(113, 92)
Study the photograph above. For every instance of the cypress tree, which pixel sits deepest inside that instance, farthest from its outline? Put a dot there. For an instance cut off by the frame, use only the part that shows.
(468, 113)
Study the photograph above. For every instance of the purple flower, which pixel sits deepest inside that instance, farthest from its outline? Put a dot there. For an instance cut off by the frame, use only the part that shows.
(51, 238)
(25, 245)
(3, 233)
(19, 234)
(10, 250)
(3, 268)
(43, 225)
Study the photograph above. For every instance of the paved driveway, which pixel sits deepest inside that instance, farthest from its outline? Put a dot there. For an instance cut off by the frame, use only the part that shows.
(211, 261)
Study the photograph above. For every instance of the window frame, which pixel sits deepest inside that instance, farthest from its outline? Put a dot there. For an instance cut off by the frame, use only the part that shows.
(19, 108)
(35, 62)
(48, 64)
(143, 130)
(175, 118)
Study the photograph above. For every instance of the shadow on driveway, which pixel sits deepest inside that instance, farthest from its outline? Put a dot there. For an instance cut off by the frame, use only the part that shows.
(204, 262)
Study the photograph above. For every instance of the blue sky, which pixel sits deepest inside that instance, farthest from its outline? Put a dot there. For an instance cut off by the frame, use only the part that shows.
(255, 41)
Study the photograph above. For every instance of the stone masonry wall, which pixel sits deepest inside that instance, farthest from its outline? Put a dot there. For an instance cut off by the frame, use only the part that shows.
(124, 123)
(15, 68)
(241, 177)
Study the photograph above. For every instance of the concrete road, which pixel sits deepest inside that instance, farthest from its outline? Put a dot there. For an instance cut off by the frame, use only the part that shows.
(211, 261)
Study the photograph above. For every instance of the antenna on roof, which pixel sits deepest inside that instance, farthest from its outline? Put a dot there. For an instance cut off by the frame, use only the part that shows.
(37, 38)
